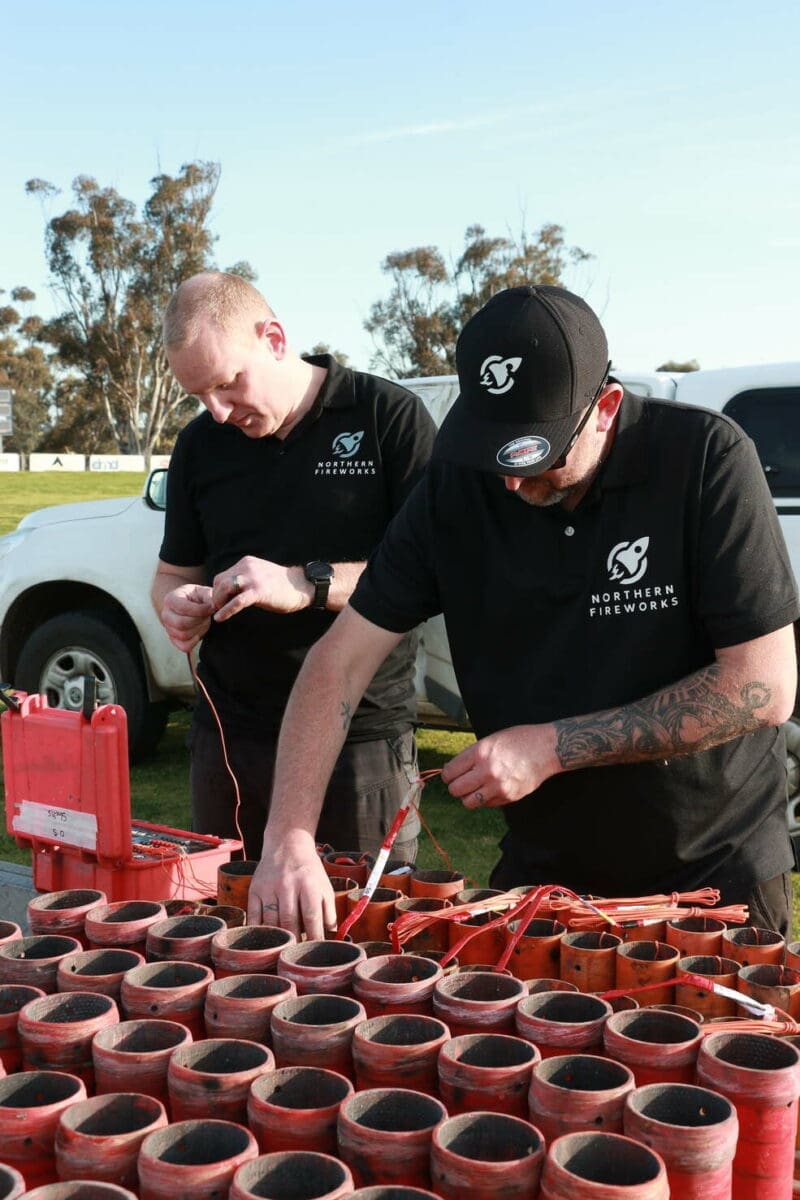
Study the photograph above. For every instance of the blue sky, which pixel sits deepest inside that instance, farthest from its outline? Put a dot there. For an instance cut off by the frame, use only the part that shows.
(665, 138)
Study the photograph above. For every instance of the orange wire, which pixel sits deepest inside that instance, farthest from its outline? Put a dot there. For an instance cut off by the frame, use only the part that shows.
(228, 766)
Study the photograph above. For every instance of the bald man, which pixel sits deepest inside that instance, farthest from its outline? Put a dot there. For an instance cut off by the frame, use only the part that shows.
(275, 497)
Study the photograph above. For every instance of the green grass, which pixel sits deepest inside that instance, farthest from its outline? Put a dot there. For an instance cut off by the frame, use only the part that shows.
(160, 787)
(160, 793)
(23, 491)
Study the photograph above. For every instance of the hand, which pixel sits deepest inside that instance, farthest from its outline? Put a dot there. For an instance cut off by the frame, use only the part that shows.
(256, 581)
(503, 767)
(290, 888)
(186, 615)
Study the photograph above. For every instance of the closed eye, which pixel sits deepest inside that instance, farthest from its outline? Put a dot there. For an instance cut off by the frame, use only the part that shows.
(226, 387)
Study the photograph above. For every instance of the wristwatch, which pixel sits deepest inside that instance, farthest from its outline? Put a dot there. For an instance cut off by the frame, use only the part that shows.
(320, 574)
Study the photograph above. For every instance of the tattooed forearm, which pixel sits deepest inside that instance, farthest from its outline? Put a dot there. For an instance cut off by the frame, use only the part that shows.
(346, 714)
(691, 715)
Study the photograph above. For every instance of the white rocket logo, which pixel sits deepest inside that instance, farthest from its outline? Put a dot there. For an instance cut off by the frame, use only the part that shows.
(627, 562)
(497, 374)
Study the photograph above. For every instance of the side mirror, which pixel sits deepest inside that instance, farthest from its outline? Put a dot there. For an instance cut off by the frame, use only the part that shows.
(155, 490)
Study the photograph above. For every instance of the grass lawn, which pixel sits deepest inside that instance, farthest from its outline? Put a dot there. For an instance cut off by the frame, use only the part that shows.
(159, 788)
(23, 491)
(160, 793)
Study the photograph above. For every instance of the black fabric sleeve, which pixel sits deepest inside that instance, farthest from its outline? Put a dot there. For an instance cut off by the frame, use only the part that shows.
(746, 585)
(183, 544)
(398, 587)
(406, 436)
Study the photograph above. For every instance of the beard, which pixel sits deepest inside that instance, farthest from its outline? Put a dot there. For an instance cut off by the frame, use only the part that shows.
(541, 494)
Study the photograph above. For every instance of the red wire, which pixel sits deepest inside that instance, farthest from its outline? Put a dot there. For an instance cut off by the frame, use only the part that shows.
(228, 766)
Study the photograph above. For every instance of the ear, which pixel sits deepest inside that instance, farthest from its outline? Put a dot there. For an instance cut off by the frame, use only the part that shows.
(608, 406)
(272, 333)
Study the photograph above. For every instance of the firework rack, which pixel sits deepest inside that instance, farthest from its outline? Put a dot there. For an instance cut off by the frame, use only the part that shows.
(67, 791)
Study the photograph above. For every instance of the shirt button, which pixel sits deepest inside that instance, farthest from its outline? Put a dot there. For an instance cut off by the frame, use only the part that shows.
(569, 531)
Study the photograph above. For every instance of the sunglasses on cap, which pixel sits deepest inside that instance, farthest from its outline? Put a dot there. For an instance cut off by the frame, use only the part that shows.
(561, 461)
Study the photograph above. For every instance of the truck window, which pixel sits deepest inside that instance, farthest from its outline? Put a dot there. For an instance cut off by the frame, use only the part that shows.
(771, 417)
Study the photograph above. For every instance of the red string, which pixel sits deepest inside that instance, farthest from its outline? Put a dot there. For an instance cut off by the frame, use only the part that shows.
(228, 766)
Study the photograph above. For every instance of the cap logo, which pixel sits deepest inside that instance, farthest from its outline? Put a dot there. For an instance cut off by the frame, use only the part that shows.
(523, 452)
(497, 373)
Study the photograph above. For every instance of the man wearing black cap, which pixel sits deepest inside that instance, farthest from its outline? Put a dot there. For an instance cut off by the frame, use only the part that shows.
(622, 639)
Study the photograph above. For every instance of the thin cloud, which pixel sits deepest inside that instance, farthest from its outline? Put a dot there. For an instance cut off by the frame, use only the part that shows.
(431, 129)
(564, 105)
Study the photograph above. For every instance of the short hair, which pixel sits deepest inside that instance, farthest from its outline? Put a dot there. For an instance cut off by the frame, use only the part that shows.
(212, 296)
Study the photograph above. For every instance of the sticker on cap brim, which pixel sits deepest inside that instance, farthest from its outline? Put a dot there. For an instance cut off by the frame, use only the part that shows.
(523, 452)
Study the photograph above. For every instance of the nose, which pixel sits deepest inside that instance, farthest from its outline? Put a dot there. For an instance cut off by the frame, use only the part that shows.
(220, 409)
(513, 482)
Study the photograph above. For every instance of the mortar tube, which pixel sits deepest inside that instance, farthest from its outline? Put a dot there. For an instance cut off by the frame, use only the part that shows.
(481, 1155)
(760, 1075)
(292, 1175)
(296, 1108)
(694, 1130)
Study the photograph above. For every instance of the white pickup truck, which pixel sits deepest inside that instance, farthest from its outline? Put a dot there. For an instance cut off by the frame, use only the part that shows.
(75, 578)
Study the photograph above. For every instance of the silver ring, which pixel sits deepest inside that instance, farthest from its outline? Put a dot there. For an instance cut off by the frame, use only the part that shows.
(270, 907)
(236, 583)
(479, 798)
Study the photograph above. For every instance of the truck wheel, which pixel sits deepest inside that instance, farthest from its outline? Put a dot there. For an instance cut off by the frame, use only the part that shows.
(63, 650)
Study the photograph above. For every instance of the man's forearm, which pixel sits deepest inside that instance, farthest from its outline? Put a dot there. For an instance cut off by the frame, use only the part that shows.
(697, 712)
(321, 701)
(167, 579)
(324, 698)
(162, 585)
(345, 577)
(289, 886)
(750, 685)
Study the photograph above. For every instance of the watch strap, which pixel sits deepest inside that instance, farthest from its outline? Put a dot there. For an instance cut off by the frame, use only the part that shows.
(320, 574)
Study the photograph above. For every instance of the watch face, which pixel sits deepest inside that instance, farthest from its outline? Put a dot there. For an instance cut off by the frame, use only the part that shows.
(319, 572)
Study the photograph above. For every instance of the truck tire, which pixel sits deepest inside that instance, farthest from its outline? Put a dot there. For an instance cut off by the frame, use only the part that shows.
(57, 656)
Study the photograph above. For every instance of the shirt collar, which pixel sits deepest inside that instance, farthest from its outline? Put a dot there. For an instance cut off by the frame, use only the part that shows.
(338, 387)
(338, 391)
(627, 461)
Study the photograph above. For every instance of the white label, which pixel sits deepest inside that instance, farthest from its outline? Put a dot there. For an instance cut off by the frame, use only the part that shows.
(57, 462)
(57, 824)
(116, 462)
(9, 462)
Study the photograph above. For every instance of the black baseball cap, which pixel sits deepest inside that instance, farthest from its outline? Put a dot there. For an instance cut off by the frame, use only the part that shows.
(529, 363)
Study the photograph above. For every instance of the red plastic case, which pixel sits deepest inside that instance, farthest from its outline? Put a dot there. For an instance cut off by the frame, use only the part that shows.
(68, 798)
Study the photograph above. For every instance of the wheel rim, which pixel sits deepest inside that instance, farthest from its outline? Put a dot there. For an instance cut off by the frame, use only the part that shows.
(63, 674)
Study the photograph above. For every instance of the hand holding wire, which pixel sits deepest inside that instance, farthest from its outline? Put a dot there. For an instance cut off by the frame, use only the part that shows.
(257, 581)
(186, 615)
(503, 767)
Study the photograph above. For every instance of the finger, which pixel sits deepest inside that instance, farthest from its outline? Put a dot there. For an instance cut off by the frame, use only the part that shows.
(269, 912)
(288, 915)
(189, 607)
(477, 799)
(329, 912)
(254, 908)
(183, 643)
(458, 766)
(231, 608)
(186, 620)
(496, 800)
(226, 587)
(464, 785)
(199, 594)
(311, 911)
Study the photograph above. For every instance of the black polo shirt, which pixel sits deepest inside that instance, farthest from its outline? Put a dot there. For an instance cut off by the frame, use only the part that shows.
(327, 491)
(675, 551)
